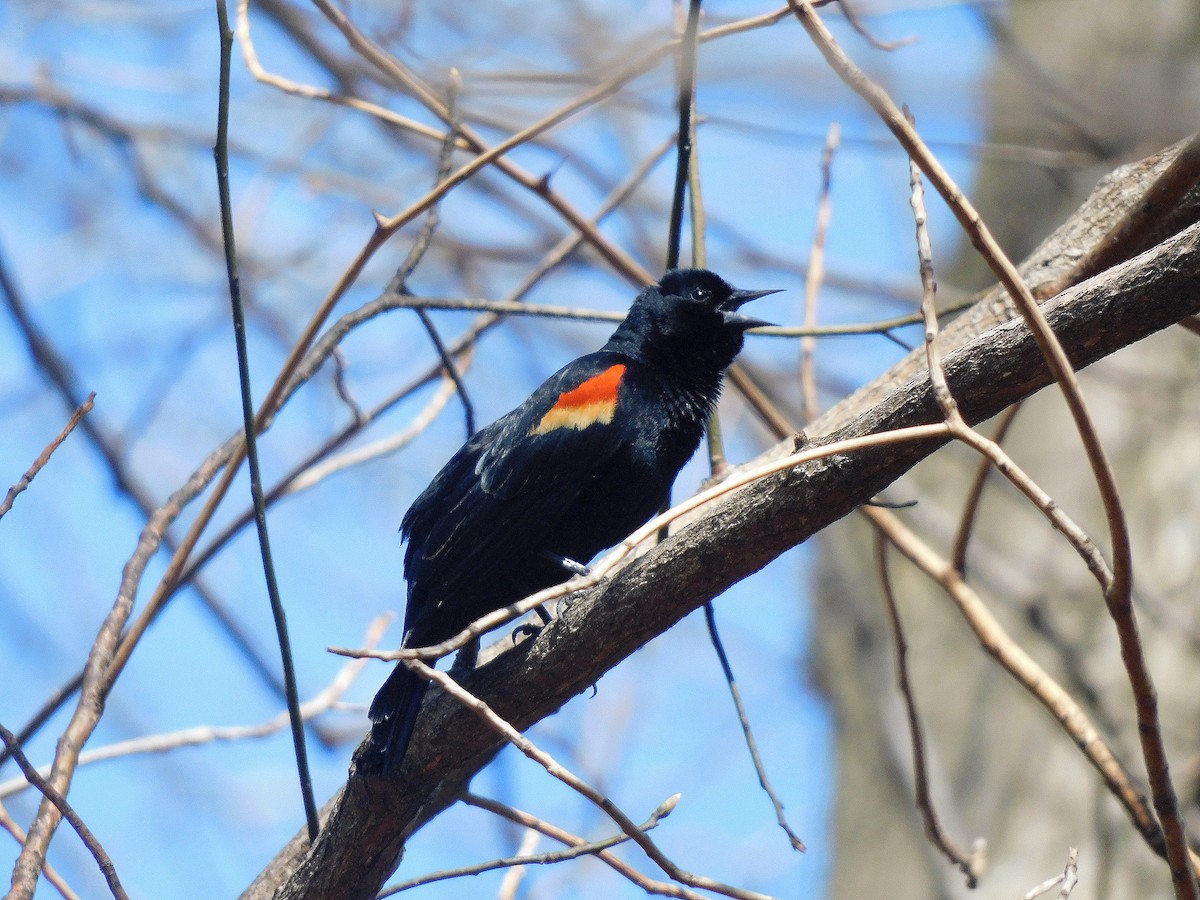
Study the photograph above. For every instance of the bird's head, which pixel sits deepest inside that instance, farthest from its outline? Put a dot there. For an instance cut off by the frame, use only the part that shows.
(690, 318)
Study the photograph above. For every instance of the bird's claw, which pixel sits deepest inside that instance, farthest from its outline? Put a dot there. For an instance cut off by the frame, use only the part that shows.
(526, 630)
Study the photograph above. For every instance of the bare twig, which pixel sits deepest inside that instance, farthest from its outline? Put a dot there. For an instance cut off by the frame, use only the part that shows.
(58, 373)
(221, 159)
(1021, 666)
(44, 456)
(577, 847)
(399, 282)
(1013, 658)
(856, 23)
(511, 882)
(1053, 352)
(683, 160)
(975, 491)
(25, 881)
(649, 885)
(516, 308)
(1038, 889)
(1068, 879)
(710, 617)
(814, 276)
(557, 770)
(970, 864)
(1070, 874)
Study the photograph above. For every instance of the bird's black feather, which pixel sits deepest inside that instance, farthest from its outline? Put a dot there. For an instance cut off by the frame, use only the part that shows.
(584, 461)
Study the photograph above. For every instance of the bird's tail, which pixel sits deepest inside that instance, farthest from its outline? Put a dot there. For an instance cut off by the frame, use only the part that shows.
(393, 717)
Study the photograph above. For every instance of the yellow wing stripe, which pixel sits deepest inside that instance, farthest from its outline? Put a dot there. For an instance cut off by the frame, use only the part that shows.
(593, 402)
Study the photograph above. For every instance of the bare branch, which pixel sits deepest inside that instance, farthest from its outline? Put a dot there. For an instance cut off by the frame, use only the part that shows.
(649, 885)
(556, 769)
(525, 857)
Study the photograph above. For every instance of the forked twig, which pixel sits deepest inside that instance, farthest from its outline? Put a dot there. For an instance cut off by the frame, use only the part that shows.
(526, 820)
(557, 770)
(577, 847)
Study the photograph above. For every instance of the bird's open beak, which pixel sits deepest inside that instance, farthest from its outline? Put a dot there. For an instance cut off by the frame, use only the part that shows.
(736, 299)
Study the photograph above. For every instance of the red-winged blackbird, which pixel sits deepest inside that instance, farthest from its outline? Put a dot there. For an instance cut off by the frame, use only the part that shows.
(589, 457)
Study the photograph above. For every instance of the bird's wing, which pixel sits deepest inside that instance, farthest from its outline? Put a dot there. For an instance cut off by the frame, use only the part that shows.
(505, 491)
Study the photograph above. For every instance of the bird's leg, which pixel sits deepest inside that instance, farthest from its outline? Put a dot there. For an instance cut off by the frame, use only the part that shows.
(575, 568)
(467, 657)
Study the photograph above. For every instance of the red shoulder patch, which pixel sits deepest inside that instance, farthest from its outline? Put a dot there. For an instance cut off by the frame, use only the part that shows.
(593, 402)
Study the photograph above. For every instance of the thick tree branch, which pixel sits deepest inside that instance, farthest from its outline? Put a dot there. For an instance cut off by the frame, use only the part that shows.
(990, 362)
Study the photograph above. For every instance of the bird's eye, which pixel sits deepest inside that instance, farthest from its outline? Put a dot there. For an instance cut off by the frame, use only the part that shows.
(701, 294)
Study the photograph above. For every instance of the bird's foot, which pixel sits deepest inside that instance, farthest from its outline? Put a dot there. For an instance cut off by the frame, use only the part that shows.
(533, 629)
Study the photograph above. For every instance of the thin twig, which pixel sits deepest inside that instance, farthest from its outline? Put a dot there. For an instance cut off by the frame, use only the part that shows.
(511, 882)
(1005, 271)
(1067, 878)
(44, 456)
(856, 23)
(975, 492)
(814, 276)
(527, 820)
(399, 282)
(1038, 889)
(342, 388)
(577, 848)
(1015, 658)
(1070, 874)
(58, 373)
(221, 158)
(687, 91)
(710, 619)
(516, 308)
(557, 770)
(998, 644)
(970, 864)
(22, 884)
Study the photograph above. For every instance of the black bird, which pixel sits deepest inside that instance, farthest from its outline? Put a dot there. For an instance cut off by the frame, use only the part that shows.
(588, 458)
